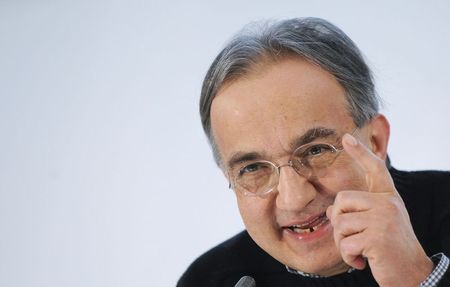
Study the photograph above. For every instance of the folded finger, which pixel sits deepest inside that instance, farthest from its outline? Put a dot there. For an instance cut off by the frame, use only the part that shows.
(352, 249)
(348, 224)
(353, 201)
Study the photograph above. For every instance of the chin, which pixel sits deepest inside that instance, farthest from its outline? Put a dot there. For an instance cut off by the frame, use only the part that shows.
(325, 261)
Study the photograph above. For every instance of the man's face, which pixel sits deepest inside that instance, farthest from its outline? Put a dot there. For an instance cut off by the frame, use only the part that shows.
(264, 116)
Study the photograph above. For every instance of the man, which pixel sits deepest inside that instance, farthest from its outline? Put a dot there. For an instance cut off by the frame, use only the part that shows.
(291, 113)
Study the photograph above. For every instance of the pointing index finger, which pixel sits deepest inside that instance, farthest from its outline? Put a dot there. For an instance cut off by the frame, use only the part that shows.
(378, 178)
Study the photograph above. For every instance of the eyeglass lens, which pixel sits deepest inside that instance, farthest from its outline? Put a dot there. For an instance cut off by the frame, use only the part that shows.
(309, 161)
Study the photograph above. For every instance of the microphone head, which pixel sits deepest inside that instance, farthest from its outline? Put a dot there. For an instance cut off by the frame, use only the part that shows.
(246, 281)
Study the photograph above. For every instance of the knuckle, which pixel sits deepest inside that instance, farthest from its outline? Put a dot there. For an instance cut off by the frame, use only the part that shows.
(342, 224)
(338, 199)
(347, 259)
(341, 196)
(337, 222)
(393, 205)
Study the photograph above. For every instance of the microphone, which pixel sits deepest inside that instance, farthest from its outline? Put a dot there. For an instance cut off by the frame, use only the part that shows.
(246, 281)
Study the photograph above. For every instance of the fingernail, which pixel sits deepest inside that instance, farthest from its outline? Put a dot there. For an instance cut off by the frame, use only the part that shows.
(349, 139)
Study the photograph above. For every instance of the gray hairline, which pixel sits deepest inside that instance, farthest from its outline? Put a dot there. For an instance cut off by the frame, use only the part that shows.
(362, 100)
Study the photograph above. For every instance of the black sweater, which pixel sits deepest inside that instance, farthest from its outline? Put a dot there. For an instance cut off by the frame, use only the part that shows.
(427, 198)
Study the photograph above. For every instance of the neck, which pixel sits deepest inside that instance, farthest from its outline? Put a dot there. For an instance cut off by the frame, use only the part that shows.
(338, 269)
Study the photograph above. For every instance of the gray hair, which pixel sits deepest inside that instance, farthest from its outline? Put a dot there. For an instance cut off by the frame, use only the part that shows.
(313, 39)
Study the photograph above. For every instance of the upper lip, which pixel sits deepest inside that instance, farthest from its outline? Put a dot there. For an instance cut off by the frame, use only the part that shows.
(303, 223)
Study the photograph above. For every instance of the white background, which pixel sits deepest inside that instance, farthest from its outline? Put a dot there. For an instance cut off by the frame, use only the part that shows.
(106, 178)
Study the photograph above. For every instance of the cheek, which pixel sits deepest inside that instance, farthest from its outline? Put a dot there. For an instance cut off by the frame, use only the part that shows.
(255, 212)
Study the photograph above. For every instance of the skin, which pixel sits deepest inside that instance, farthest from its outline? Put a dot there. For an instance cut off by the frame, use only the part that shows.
(264, 114)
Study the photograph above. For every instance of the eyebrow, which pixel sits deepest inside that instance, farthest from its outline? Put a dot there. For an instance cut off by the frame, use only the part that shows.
(310, 135)
(313, 134)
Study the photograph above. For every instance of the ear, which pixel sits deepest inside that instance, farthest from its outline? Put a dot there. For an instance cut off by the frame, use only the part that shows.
(379, 131)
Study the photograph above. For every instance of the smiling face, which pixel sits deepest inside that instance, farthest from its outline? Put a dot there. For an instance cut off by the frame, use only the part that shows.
(266, 116)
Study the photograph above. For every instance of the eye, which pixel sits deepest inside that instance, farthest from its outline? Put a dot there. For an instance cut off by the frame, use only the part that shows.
(315, 157)
(317, 149)
(251, 168)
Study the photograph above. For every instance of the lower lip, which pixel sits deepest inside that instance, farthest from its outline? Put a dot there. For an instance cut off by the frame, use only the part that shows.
(321, 232)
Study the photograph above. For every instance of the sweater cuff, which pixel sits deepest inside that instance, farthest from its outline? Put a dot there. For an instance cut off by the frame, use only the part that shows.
(441, 263)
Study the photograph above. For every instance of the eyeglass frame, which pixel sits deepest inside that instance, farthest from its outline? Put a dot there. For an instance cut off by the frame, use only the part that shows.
(232, 184)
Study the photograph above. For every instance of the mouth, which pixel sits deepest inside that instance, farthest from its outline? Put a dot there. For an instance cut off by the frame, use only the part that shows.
(310, 226)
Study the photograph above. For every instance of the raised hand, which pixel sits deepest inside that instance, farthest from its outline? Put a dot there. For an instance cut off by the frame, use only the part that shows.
(373, 225)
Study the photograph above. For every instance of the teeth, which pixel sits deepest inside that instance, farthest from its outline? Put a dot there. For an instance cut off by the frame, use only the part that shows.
(299, 230)
(307, 229)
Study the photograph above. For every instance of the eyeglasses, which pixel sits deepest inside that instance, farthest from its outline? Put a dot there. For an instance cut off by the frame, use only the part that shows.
(312, 160)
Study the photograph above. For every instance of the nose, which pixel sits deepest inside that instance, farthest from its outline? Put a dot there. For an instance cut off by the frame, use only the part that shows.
(295, 192)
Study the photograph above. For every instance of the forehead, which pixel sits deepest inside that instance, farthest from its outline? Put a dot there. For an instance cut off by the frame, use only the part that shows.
(266, 110)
